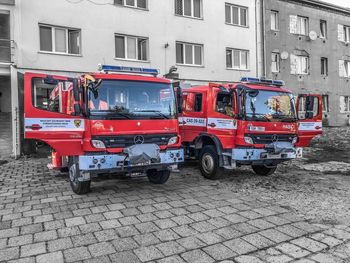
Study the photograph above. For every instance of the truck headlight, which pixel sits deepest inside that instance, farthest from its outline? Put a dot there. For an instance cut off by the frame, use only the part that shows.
(248, 140)
(98, 144)
(295, 140)
(172, 140)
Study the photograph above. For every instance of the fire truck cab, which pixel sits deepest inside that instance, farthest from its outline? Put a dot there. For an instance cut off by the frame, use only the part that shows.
(253, 122)
(120, 120)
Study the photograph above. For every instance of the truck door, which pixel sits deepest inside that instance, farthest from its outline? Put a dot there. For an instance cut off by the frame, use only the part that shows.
(309, 110)
(51, 113)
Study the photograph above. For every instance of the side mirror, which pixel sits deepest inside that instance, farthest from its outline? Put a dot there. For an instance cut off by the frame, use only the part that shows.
(179, 99)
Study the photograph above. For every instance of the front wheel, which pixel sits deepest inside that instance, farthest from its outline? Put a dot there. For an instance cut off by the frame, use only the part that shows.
(158, 177)
(77, 186)
(209, 162)
(263, 170)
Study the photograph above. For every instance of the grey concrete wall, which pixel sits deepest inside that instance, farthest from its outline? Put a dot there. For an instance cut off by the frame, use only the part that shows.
(282, 40)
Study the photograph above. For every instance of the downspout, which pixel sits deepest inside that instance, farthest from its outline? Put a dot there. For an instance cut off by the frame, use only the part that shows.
(256, 39)
(263, 38)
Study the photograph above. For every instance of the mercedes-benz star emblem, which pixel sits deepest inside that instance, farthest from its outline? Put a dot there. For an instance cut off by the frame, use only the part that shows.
(274, 138)
(139, 139)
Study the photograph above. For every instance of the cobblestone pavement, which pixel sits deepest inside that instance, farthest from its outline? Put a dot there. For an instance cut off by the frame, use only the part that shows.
(189, 219)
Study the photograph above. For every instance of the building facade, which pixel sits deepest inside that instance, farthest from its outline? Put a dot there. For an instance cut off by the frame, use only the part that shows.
(307, 44)
(205, 40)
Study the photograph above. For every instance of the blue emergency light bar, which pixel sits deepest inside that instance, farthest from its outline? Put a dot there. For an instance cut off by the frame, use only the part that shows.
(260, 81)
(147, 71)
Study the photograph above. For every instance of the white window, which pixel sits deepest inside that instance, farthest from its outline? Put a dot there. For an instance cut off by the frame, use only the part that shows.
(189, 54)
(237, 59)
(299, 64)
(344, 104)
(190, 8)
(324, 66)
(323, 29)
(298, 25)
(325, 103)
(59, 39)
(236, 15)
(344, 68)
(132, 3)
(346, 34)
(131, 47)
(275, 62)
(274, 20)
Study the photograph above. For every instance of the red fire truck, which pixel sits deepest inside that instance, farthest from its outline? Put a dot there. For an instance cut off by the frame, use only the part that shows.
(120, 120)
(253, 122)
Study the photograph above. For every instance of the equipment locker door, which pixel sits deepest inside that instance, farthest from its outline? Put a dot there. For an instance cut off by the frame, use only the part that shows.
(49, 112)
(309, 110)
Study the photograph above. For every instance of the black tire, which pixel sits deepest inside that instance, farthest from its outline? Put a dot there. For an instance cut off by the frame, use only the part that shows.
(263, 170)
(78, 187)
(209, 162)
(158, 177)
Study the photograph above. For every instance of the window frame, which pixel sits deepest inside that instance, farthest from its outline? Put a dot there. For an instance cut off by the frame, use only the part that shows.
(300, 65)
(130, 6)
(53, 40)
(239, 15)
(299, 24)
(240, 59)
(347, 104)
(278, 62)
(276, 17)
(323, 27)
(346, 34)
(325, 106)
(324, 66)
(193, 54)
(137, 38)
(192, 10)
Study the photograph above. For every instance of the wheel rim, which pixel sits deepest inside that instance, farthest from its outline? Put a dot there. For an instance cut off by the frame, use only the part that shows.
(208, 163)
(72, 174)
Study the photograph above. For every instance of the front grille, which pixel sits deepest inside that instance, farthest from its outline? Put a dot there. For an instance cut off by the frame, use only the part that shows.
(122, 141)
(270, 138)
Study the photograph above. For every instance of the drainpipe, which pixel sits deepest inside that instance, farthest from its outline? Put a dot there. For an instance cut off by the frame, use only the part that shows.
(263, 37)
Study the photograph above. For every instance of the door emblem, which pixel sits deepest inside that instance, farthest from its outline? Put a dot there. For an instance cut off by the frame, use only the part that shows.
(77, 123)
(139, 139)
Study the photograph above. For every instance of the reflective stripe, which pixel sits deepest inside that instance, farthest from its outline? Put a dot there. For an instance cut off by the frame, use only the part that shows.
(48, 124)
(310, 126)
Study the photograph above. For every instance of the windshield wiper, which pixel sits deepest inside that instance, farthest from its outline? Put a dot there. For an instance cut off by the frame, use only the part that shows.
(260, 115)
(112, 115)
(160, 114)
(285, 118)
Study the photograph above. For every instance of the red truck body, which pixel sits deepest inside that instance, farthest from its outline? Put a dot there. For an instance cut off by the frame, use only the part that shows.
(253, 122)
(137, 131)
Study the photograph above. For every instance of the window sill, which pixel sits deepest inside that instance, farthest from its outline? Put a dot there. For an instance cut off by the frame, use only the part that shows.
(59, 54)
(132, 60)
(238, 69)
(188, 65)
(132, 7)
(236, 25)
(190, 17)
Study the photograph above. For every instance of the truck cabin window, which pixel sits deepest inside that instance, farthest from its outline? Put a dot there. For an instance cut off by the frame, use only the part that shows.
(52, 97)
(225, 104)
(306, 111)
(132, 100)
(263, 105)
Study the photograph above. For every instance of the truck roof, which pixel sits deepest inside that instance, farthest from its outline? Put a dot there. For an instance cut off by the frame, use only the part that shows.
(130, 77)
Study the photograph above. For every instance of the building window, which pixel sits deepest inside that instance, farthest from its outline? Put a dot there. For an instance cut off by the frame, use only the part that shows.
(344, 68)
(131, 47)
(274, 20)
(325, 103)
(299, 64)
(189, 54)
(299, 25)
(237, 59)
(190, 8)
(275, 62)
(132, 3)
(324, 66)
(323, 29)
(59, 39)
(344, 104)
(236, 15)
(344, 33)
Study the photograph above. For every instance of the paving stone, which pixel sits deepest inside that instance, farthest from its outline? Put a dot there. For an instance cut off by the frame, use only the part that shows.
(123, 244)
(338, 233)
(148, 253)
(166, 235)
(258, 241)
(22, 260)
(197, 256)
(84, 240)
(45, 236)
(116, 207)
(68, 231)
(101, 249)
(276, 220)
(33, 249)
(165, 223)
(9, 253)
(235, 218)
(124, 257)
(88, 228)
(240, 246)
(292, 250)
(170, 248)
(127, 231)
(20, 240)
(94, 218)
(22, 221)
(129, 220)
(60, 244)
(146, 217)
(185, 231)
(248, 259)
(274, 235)
(326, 258)
(75, 254)
(182, 220)
(279, 259)
(112, 223)
(101, 259)
(75, 221)
(106, 235)
(146, 227)
(309, 244)
(291, 231)
(146, 239)
(172, 259)
(210, 238)
(52, 225)
(10, 232)
(261, 224)
(55, 257)
(228, 233)
(219, 252)
(191, 243)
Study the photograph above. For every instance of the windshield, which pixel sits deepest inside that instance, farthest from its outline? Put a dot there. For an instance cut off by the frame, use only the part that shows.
(132, 100)
(269, 106)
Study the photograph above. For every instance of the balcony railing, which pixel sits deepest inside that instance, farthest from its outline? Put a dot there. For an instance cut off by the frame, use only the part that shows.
(5, 50)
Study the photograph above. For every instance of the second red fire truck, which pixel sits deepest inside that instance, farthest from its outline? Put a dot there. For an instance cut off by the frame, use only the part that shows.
(254, 122)
(121, 119)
